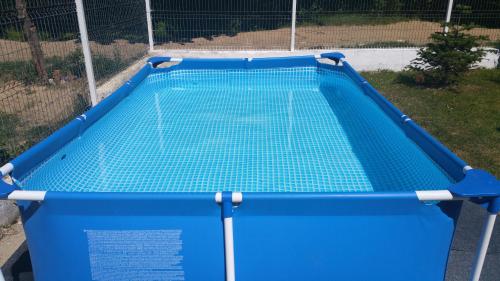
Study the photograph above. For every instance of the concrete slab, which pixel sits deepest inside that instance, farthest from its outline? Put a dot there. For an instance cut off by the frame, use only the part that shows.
(367, 59)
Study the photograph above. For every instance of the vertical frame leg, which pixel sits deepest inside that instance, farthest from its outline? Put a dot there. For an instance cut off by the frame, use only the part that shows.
(448, 15)
(483, 246)
(1, 276)
(150, 25)
(82, 25)
(294, 20)
(229, 249)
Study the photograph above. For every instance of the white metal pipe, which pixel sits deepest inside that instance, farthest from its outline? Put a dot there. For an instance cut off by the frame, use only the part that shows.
(483, 246)
(448, 15)
(422, 195)
(6, 169)
(466, 168)
(294, 20)
(229, 249)
(434, 195)
(27, 195)
(236, 197)
(150, 25)
(82, 26)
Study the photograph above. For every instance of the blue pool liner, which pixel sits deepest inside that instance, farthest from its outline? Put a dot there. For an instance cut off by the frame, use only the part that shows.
(448, 161)
(278, 236)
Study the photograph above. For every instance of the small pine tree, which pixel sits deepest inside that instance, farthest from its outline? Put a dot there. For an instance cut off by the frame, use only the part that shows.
(448, 56)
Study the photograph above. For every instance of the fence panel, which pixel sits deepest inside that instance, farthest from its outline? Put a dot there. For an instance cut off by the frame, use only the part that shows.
(42, 77)
(43, 83)
(484, 15)
(367, 24)
(118, 35)
(222, 24)
(321, 24)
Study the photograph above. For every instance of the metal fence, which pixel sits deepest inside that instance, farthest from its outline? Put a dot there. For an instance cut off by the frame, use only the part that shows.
(43, 82)
(56, 54)
(221, 25)
(317, 24)
(34, 102)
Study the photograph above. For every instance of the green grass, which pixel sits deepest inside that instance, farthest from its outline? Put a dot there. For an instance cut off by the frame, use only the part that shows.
(73, 63)
(7, 134)
(466, 118)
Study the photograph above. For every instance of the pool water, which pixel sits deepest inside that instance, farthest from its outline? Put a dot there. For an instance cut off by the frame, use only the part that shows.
(269, 130)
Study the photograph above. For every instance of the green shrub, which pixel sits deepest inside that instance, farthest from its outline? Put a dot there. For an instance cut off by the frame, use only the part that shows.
(234, 27)
(311, 14)
(44, 36)
(13, 34)
(7, 136)
(80, 104)
(67, 36)
(105, 67)
(72, 64)
(447, 57)
(161, 30)
(23, 71)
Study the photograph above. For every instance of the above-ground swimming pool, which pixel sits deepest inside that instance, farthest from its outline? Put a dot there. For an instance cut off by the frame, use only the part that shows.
(243, 169)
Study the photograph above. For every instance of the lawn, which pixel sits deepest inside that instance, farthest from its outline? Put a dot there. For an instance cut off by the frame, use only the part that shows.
(465, 118)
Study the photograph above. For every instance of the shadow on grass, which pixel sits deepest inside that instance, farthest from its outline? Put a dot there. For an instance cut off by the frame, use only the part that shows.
(421, 81)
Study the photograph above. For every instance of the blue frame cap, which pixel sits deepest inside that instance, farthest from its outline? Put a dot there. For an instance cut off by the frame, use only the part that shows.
(155, 61)
(6, 189)
(227, 204)
(335, 56)
(477, 183)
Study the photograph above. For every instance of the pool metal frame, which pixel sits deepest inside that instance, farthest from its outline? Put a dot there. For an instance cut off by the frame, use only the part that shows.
(475, 185)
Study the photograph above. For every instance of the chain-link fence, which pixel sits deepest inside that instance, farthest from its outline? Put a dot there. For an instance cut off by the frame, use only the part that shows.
(43, 82)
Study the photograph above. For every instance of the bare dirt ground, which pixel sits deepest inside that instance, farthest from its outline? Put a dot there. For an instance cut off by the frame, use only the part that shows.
(323, 37)
(307, 37)
(10, 239)
(40, 105)
(18, 51)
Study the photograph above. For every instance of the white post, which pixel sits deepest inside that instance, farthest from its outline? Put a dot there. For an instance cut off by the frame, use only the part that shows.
(294, 19)
(82, 25)
(483, 246)
(150, 25)
(448, 15)
(229, 249)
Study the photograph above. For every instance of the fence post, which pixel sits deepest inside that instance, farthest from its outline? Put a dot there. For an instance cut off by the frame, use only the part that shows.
(294, 20)
(448, 15)
(150, 25)
(82, 26)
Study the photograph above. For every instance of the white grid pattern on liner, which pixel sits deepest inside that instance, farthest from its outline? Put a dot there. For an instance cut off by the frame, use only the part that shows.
(287, 130)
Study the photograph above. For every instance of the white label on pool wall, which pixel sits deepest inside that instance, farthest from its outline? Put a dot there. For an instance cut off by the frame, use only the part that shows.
(135, 255)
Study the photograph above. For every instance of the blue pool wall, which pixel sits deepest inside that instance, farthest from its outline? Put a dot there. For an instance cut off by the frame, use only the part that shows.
(136, 227)
(278, 236)
(286, 236)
